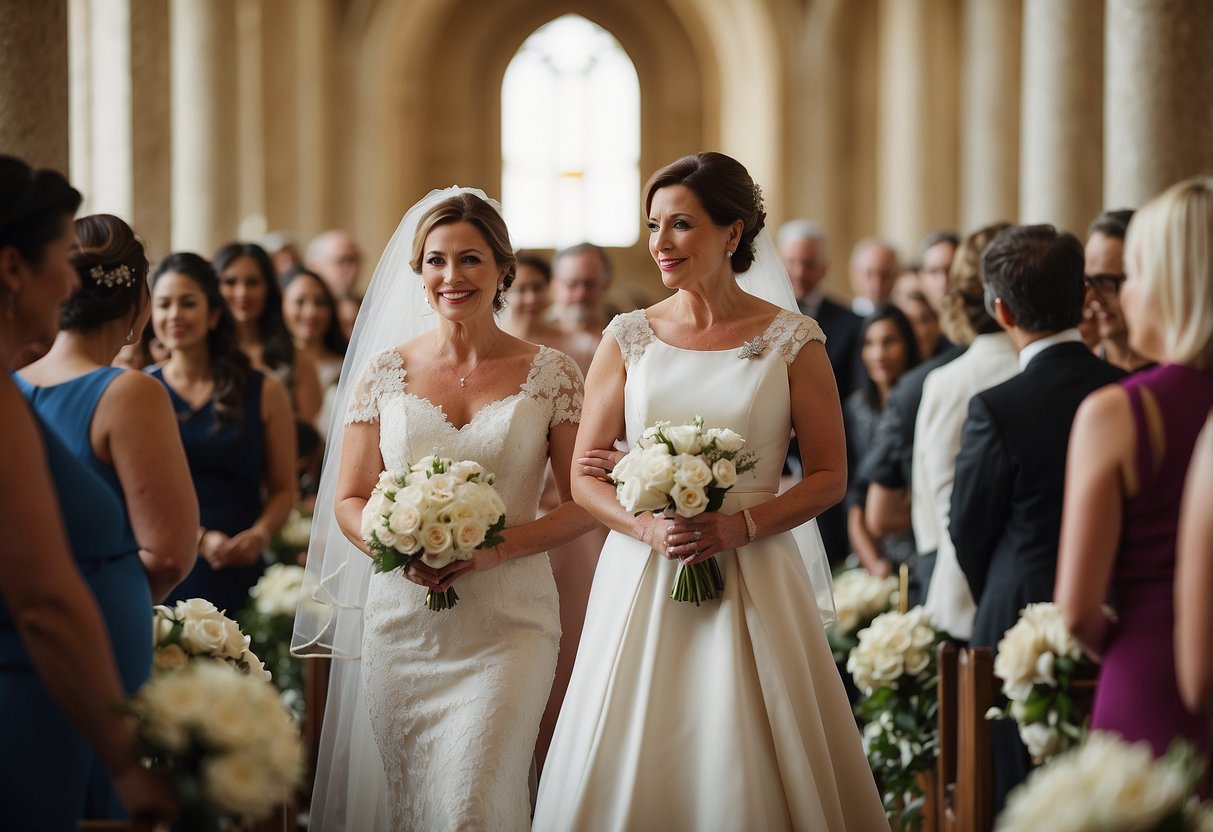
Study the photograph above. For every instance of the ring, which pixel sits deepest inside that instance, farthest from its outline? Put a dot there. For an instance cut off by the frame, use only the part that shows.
(698, 534)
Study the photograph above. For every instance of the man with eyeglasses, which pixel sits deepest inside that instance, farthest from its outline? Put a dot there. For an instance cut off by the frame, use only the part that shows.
(1104, 274)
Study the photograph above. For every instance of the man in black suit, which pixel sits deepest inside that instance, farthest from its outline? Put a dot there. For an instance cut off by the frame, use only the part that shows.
(805, 252)
(1010, 472)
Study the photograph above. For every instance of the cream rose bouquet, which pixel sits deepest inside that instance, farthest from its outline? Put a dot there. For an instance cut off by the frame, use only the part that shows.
(439, 510)
(894, 667)
(685, 470)
(1109, 785)
(224, 737)
(1038, 661)
(196, 630)
(858, 597)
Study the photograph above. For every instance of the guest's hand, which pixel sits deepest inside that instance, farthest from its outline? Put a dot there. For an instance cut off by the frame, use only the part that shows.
(599, 462)
(241, 550)
(695, 539)
(209, 545)
(146, 795)
(881, 568)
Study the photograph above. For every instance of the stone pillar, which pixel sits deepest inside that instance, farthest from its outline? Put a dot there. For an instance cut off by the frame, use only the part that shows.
(315, 46)
(250, 120)
(205, 149)
(280, 87)
(989, 111)
(917, 125)
(1061, 161)
(151, 135)
(1159, 97)
(34, 82)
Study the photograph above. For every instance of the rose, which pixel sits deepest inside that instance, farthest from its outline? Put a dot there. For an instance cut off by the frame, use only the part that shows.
(689, 502)
(163, 623)
(425, 464)
(724, 472)
(235, 643)
(1041, 739)
(441, 488)
(407, 544)
(386, 537)
(205, 636)
(392, 479)
(726, 440)
(465, 469)
(372, 513)
(235, 782)
(197, 608)
(692, 472)
(686, 439)
(170, 657)
(635, 498)
(656, 469)
(467, 534)
(405, 518)
(435, 539)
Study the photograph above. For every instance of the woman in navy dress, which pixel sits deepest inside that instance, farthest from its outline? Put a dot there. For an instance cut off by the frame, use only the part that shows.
(237, 427)
(59, 688)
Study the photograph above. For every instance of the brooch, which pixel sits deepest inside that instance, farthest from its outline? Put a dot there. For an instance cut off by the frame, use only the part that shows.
(752, 349)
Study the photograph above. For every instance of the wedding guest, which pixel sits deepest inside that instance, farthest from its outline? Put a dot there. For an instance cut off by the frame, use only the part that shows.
(1105, 274)
(1194, 581)
(237, 428)
(310, 314)
(935, 254)
(284, 254)
(337, 258)
(889, 350)
(60, 689)
(581, 276)
(638, 745)
(874, 267)
(1128, 456)
(526, 301)
(925, 320)
(1005, 516)
(250, 288)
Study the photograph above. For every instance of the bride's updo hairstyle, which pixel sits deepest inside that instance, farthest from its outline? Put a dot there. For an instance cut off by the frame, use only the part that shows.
(112, 267)
(484, 217)
(725, 190)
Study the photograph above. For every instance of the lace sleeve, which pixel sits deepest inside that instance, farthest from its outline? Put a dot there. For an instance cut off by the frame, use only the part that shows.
(384, 372)
(632, 332)
(557, 382)
(789, 332)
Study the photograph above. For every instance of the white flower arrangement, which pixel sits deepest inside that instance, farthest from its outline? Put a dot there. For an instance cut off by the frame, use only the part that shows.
(196, 629)
(896, 647)
(439, 511)
(1038, 661)
(227, 741)
(685, 470)
(279, 590)
(1107, 785)
(858, 598)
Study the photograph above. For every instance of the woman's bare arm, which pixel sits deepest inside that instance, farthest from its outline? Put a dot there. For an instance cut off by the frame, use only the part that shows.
(1194, 581)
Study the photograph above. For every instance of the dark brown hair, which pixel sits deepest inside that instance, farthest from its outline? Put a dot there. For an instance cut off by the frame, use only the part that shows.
(962, 312)
(278, 350)
(35, 207)
(108, 249)
(471, 209)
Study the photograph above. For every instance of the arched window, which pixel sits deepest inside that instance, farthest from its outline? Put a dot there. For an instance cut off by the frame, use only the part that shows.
(570, 138)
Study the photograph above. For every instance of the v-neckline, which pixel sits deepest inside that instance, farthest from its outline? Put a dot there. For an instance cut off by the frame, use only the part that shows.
(446, 419)
(189, 406)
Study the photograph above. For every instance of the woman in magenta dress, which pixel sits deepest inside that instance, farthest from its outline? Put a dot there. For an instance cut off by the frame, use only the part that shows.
(1128, 455)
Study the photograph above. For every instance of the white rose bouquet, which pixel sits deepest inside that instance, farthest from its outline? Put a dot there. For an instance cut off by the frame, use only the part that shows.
(858, 597)
(226, 740)
(1108, 785)
(1038, 661)
(268, 621)
(894, 666)
(195, 629)
(439, 511)
(685, 470)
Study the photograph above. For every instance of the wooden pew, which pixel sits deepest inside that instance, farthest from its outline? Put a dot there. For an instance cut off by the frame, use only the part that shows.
(947, 719)
(973, 797)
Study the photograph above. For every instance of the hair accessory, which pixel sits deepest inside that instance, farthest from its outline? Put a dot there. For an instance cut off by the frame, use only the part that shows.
(120, 275)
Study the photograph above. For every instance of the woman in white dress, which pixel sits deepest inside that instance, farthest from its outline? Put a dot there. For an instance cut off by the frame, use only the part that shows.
(730, 715)
(453, 697)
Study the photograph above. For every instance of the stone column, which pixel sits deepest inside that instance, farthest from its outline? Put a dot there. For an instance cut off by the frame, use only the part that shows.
(34, 82)
(205, 149)
(917, 125)
(315, 46)
(151, 135)
(1159, 97)
(1061, 161)
(989, 112)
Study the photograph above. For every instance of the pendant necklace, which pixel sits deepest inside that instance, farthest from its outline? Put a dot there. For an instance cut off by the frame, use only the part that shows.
(466, 376)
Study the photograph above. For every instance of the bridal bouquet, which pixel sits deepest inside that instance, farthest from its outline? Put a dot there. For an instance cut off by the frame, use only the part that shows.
(894, 666)
(858, 598)
(225, 739)
(1038, 661)
(196, 630)
(1108, 785)
(685, 470)
(268, 621)
(439, 511)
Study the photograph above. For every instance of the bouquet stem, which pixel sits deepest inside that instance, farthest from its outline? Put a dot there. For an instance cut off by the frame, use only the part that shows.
(698, 582)
(441, 600)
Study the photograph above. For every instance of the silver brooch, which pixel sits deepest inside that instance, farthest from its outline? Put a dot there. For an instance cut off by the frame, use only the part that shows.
(752, 349)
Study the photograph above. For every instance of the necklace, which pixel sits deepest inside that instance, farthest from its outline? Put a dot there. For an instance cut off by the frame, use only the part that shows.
(463, 378)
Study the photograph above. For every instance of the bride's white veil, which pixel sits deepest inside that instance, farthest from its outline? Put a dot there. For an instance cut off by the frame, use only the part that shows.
(350, 786)
(767, 278)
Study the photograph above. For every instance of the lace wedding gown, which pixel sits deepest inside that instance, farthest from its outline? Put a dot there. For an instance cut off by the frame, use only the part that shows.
(726, 716)
(454, 697)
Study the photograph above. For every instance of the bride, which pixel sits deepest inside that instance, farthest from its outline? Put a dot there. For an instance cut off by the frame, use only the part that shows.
(730, 715)
(434, 725)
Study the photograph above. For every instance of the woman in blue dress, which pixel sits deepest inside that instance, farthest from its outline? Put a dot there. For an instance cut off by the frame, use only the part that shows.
(59, 688)
(237, 427)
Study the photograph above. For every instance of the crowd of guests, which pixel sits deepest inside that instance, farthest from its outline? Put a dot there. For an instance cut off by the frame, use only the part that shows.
(1037, 450)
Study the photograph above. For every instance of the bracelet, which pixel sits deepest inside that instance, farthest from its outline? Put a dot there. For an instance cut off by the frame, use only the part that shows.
(751, 528)
(202, 530)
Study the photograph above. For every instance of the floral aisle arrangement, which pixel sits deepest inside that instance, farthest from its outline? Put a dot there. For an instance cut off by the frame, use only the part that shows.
(684, 470)
(894, 667)
(195, 629)
(858, 597)
(1108, 785)
(1038, 661)
(438, 510)
(268, 621)
(225, 739)
(293, 538)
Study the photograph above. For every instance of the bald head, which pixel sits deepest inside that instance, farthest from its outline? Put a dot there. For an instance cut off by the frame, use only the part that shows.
(874, 267)
(806, 255)
(336, 257)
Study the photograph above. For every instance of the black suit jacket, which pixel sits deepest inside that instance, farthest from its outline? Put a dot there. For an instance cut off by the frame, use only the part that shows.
(1010, 473)
(841, 327)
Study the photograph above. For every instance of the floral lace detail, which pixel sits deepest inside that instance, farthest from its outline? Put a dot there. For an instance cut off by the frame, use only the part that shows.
(555, 379)
(385, 372)
(632, 332)
(790, 331)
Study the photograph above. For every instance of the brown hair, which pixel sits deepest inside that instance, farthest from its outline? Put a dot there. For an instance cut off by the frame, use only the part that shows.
(475, 211)
(727, 193)
(962, 314)
(107, 246)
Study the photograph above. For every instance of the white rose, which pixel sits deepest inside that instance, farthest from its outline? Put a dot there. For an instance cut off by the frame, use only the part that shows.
(235, 642)
(197, 608)
(656, 469)
(407, 544)
(162, 626)
(467, 534)
(466, 469)
(386, 536)
(689, 502)
(727, 440)
(1044, 670)
(372, 513)
(204, 636)
(405, 519)
(435, 538)
(236, 783)
(692, 472)
(1041, 740)
(424, 465)
(724, 472)
(686, 439)
(626, 466)
(441, 489)
(170, 657)
(635, 498)
(392, 479)
(256, 668)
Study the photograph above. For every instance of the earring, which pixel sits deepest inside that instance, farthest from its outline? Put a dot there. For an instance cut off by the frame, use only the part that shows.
(501, 286)
(130, 336)
(728, 254)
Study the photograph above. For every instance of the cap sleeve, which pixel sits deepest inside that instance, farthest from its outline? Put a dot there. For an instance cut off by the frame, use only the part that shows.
(558, 383)
(632, 332)
(384, 372)
(790, 331)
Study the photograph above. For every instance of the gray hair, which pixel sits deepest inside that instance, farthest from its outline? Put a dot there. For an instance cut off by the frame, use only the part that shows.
(795, 230)
(584, 248)
(874, 242)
